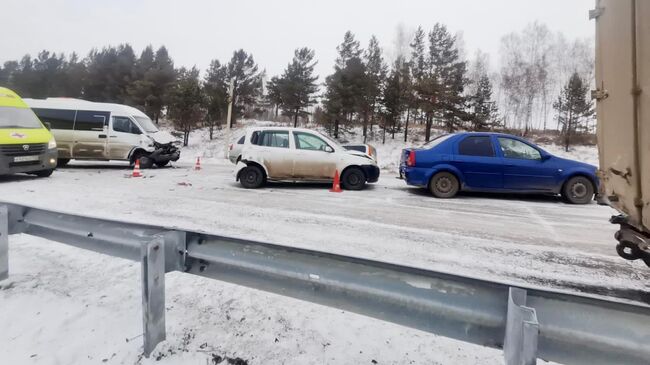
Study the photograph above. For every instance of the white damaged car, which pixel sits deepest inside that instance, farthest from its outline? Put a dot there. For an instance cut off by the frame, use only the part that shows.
(298, 154)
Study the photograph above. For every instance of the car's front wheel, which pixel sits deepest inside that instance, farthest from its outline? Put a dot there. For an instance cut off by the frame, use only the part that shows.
(353, 179)
(578, 190)
(146, 162)
(444, 185)
(251, 177)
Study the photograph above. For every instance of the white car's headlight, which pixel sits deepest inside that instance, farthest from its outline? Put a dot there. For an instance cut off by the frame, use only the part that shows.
(51, 144)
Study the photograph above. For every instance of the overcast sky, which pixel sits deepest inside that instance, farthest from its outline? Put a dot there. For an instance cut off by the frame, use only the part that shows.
(196, 32)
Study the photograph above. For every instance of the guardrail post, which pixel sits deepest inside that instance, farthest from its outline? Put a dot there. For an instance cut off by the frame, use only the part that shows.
(4, 242)
(522, 330)
(153, 293)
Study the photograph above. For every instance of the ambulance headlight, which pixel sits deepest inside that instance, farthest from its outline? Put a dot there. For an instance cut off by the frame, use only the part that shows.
(51, 144)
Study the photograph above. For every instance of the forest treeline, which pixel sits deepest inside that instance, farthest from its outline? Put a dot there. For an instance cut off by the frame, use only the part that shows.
(542, 83)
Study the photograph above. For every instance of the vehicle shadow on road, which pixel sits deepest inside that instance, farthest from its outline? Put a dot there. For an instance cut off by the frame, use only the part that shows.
(305, 186)
(533, 198)
(17, 178)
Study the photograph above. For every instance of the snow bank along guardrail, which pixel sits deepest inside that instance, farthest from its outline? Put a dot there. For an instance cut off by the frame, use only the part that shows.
(527, 323)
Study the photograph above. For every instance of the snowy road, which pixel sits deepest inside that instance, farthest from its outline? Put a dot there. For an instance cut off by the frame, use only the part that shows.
(533, 240)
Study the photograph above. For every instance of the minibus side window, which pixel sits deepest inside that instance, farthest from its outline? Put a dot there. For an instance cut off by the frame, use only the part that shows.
(91, 120)
(125, 125)
(58, 119)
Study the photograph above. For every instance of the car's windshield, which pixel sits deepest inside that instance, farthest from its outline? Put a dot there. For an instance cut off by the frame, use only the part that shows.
(11, 117)
(436, 141)
(146, 124)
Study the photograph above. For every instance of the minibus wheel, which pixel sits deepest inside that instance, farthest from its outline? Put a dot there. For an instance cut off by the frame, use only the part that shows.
(145, 161)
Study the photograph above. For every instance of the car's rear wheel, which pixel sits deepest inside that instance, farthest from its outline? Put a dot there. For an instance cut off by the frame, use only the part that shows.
(578, 190)
(353, 179)
(251, 177)
(162, 163)
(444, 185)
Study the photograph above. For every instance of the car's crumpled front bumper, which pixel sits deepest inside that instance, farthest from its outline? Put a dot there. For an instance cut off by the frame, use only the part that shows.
(165, 152)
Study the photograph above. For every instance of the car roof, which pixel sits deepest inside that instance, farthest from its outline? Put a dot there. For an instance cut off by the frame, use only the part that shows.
(497, 134)
(281, 129)
(79, 104)
(11, 99)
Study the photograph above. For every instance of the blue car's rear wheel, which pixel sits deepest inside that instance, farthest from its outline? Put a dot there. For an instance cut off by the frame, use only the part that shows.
(444, 185)
(578, 190)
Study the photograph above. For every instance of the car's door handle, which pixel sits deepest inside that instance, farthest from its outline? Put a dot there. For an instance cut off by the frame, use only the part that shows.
(101, 136)
(113, 136)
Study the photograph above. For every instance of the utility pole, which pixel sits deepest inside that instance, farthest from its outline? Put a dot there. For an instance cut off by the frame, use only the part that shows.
(231, 91)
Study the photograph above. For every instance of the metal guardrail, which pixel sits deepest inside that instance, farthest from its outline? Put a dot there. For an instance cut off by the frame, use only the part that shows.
(526, 323)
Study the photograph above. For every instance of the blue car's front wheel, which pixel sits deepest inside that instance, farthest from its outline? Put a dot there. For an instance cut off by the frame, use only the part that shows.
(444, 185)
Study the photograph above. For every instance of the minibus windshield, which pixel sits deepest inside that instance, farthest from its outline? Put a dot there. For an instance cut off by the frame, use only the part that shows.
(146, 124)
(11, 117)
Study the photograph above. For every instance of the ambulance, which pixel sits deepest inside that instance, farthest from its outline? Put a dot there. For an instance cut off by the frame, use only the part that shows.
(26, 145)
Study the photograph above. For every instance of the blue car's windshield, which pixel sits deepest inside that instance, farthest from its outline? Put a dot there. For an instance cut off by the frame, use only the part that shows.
(436, 141)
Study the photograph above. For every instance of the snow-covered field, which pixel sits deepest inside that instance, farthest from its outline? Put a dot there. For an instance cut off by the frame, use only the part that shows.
(63, 305)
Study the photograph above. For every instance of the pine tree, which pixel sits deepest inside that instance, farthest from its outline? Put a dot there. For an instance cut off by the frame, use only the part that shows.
(375, 77)
(297, 84)
(346, 87)
(484, 112)
(74, 77)
(274, 93)
(215, 88)
(574, 108)
(418, 57)
(247, 80)
(110, 73)
(186, 102)
(392, 100)
(162, 77)
(446, 80)
(349, 49)
(141, 89)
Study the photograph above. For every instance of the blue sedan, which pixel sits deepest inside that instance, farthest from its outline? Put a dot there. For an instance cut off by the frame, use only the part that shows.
(495, 162)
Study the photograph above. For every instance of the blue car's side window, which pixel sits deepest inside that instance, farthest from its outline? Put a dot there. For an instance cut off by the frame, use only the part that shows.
(513, 148)
(476, 146)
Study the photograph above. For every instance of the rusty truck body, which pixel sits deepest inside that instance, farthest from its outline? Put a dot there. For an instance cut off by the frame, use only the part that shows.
(623, 111)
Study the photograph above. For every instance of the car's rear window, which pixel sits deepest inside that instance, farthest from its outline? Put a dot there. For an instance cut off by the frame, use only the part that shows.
(271, 138)
(476, 146)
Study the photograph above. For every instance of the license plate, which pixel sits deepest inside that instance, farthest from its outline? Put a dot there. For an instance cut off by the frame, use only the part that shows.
(25, 158)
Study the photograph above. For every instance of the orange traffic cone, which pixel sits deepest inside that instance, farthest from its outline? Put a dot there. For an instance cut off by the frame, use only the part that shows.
(136, 169)
(336, 185)
(197, 166)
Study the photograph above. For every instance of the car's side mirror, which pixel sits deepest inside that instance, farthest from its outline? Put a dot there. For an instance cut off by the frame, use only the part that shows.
(545, 156)
(48, 126)
(329, 149)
